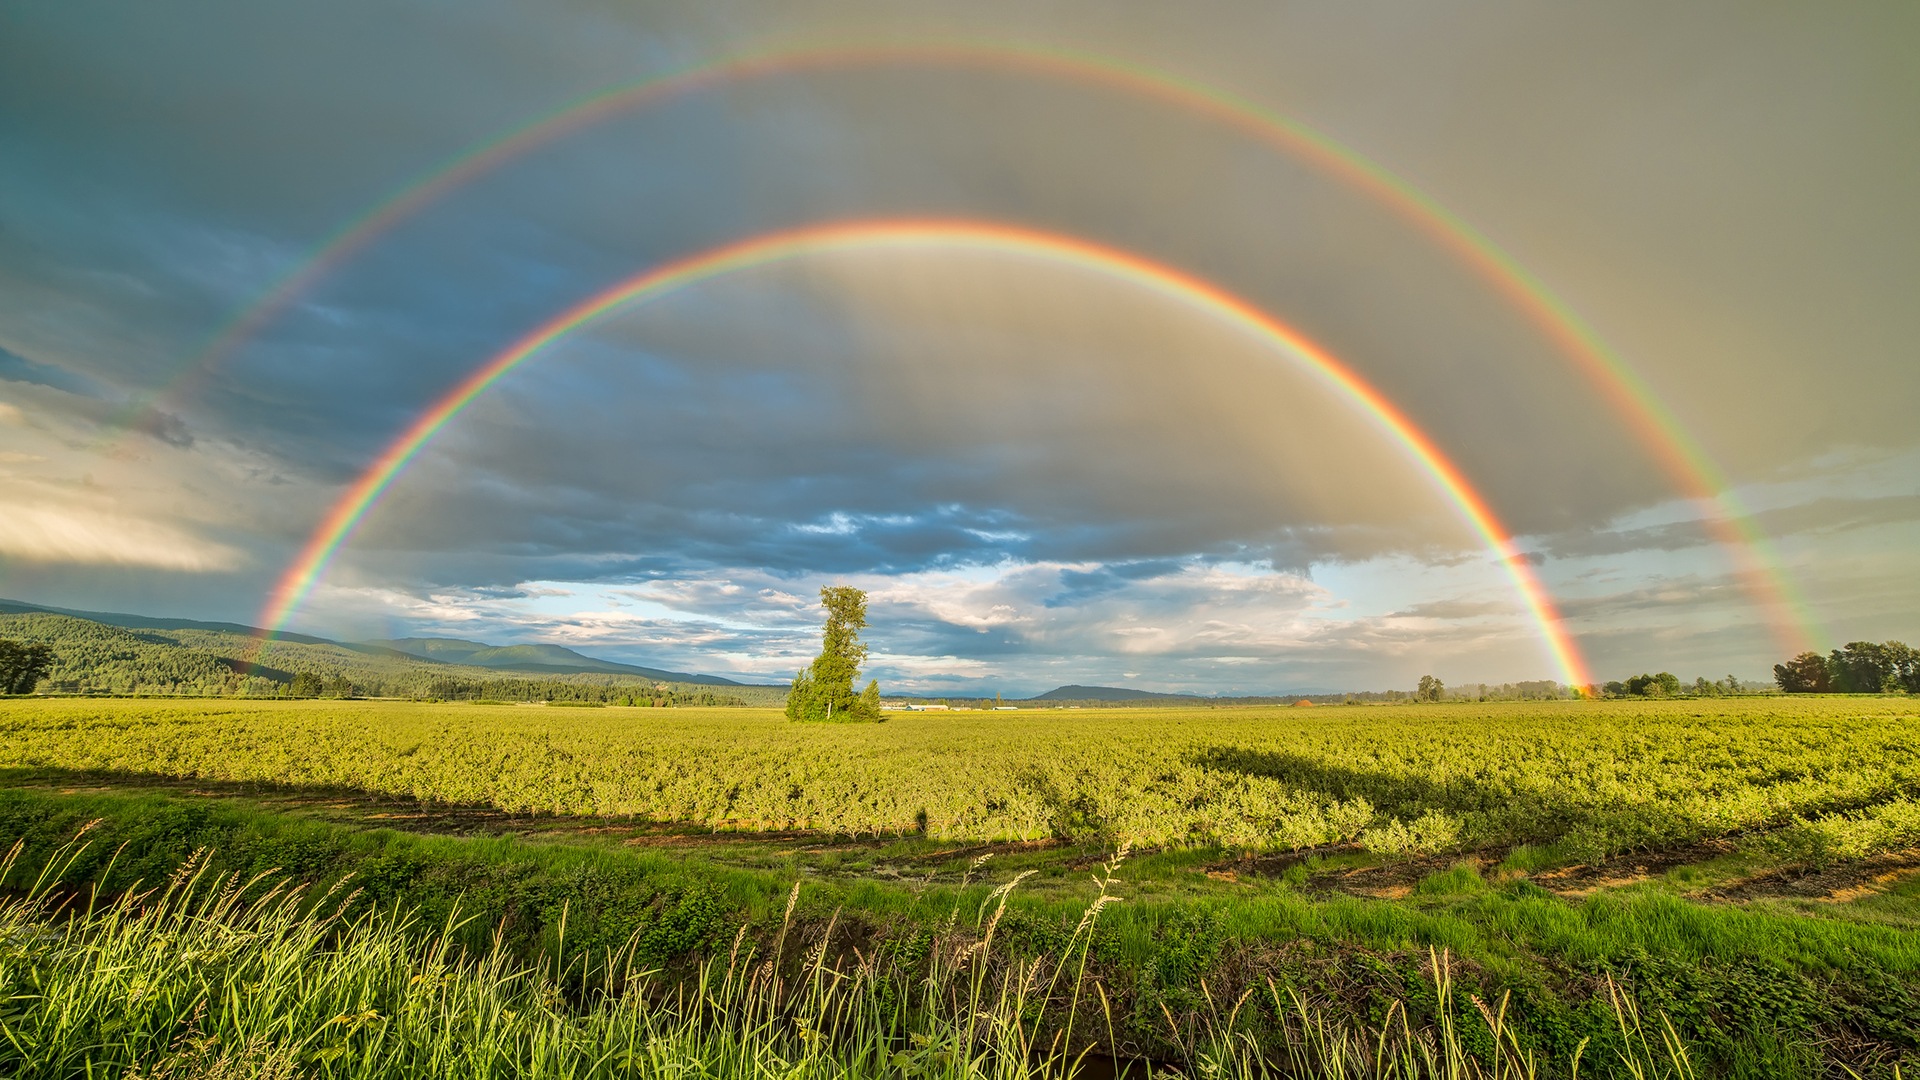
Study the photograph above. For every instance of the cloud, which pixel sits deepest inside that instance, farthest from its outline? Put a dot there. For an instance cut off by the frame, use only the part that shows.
(154, 423)
(1818, 516)
(54, 534)
(17, 368)
(1022, 458)
(1456, 609)
(84, 398)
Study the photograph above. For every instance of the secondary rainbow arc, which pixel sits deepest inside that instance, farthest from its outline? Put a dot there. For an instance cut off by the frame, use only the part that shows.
(1685, 462)
(352, 507)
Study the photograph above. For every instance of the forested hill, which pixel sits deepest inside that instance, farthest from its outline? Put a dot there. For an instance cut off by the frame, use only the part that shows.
(162, 657)
(534, 658)
(148, 622)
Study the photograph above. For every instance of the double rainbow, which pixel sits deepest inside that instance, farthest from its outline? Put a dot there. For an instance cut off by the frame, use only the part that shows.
(1167, 281)
(1686, 463)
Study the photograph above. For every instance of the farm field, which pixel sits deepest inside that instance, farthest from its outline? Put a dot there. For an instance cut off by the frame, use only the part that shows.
(1749, 867)
(1581, 780)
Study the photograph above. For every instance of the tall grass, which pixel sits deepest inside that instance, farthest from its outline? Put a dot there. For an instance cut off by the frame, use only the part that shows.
(208, 976)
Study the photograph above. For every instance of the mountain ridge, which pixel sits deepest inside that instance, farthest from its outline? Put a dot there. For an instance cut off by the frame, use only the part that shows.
(1076, 692)
(533, 658)
(528, 659)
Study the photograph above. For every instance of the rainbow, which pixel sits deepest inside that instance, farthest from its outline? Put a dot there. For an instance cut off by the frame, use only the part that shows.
(352, 507)
(1685, 462)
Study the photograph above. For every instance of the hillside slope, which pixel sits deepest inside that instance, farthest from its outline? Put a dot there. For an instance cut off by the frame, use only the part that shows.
(1106, 693)
(534, 658)
(182, 657)
(235, 640)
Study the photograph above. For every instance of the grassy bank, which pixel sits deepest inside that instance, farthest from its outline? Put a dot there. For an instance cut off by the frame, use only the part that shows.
(1755, 990)
(212, 975)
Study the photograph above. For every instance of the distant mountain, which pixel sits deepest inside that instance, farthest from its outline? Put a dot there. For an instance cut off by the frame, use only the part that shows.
(544, 659)
(528, 659)
(146, 622)
(1108, 693)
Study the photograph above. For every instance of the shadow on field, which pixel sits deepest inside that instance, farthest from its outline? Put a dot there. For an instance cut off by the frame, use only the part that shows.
(1514, 815)
(386, 810)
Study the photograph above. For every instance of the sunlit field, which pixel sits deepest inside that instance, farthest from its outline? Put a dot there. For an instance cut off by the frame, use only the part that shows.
(1593, 779)
(1713, 887)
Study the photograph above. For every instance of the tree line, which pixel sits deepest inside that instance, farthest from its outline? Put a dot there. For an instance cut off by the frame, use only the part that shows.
(309, 684)
(1862, 667)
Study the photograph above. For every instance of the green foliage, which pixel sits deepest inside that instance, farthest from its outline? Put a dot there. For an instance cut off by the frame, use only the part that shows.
(1430, 689)
(1757, 990)
(1821, 840)
(91, 657)
(1593, 778)
(1866, 667)
(824, 691)
(22, 664)
(1804, 674)
(305, 685)
(1862, 667)
(1665, 684)
(214, 975)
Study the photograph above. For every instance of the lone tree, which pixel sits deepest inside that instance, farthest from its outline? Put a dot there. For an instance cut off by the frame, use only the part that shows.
(1430, 689)
(824, 690)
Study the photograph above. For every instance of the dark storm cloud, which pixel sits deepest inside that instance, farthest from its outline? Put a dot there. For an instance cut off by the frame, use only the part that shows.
(17, 368)
(82, 398)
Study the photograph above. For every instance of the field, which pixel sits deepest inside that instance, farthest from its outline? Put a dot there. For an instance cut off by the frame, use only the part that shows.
(1742, 868)
(1587, 779)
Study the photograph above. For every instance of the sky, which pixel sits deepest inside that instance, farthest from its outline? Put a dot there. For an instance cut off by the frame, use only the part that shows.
(1041, 471)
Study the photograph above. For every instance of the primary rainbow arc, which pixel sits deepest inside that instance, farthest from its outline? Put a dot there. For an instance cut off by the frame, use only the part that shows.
(352, 507)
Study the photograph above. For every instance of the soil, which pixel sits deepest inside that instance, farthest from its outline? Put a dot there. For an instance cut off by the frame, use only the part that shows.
(1838, 884)
(1396, 879)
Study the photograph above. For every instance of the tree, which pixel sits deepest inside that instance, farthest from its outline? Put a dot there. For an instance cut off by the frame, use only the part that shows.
(1905, 661)
(1804, 674)
(1665, 684)
(339, 687)
(1430, 689)
(22, 664)
(824, 690)
(1863, 667)
(305, 684)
